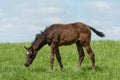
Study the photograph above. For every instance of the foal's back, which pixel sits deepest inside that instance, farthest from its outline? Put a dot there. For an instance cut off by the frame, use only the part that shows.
(65, 34)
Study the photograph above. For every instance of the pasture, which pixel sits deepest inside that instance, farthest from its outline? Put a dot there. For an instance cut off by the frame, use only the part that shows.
(107, 56)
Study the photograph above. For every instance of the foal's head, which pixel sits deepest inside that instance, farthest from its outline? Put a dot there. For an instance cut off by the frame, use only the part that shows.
(30, 56)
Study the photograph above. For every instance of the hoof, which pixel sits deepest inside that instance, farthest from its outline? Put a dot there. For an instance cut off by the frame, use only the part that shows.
(62, 69)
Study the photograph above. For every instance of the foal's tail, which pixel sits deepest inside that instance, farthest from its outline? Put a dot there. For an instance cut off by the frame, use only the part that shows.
(101, 34)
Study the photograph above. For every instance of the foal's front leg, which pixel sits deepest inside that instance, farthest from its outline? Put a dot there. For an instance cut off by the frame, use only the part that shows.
(52, 56)
(59, 58)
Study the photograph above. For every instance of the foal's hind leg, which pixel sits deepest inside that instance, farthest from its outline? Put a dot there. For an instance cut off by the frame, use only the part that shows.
(59, 58)
(91, 54)
(80, 53)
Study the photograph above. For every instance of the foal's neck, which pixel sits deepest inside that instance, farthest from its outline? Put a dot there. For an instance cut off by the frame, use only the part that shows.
(39, 43)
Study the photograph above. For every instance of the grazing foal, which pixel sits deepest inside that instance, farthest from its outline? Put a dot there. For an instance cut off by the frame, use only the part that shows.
(63, 34)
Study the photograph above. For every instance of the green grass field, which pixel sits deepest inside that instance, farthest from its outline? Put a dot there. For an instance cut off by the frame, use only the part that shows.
(107, 55)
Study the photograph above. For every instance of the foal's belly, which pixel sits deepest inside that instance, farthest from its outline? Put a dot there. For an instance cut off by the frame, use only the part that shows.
(68, 38)
(67, 41)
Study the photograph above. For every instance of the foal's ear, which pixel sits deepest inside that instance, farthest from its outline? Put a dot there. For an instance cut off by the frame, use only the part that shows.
(26, 47)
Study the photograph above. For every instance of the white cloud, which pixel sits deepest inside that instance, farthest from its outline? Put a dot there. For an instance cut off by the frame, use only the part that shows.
(21, 19)
(95, 22)
(4, 19)
(16, 19)
(9, 28)
(44, 10)
(39, 3)
(100, 6)
(25, 4)
(51, 20)
(5, 27)
(115, 31)
(98, 22)
(45, 20)
(1, 13)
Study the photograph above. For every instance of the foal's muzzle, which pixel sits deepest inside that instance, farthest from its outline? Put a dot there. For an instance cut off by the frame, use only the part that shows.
(26, 65)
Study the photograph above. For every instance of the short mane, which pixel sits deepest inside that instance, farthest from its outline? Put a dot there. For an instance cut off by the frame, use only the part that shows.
(36, 37)
(41, 33)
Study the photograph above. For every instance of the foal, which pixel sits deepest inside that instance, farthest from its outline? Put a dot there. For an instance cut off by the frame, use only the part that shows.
(63, 34)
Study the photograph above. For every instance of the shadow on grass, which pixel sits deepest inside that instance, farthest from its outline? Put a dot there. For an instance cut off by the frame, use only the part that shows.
(44, 69)
(98, 68)
(38, 69)
(87, 68)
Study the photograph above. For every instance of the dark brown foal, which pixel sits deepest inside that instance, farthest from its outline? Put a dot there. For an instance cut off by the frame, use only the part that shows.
(64, 34)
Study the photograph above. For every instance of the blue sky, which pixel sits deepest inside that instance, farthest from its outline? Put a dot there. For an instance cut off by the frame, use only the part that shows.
(20, 20)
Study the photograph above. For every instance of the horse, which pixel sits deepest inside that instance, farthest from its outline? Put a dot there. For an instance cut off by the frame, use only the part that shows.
(63, 34)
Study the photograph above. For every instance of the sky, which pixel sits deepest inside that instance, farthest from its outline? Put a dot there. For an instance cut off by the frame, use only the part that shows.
(20, 20)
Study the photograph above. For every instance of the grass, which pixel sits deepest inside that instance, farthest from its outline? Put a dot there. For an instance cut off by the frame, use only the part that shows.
(107, 55)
